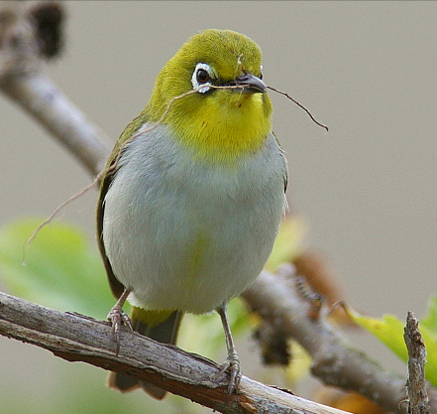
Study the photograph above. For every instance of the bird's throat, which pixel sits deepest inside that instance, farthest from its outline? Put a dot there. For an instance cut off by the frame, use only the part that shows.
(224, 131)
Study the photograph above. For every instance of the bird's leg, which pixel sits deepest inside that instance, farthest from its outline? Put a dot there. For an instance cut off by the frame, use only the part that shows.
(232, 363)
(118, 317)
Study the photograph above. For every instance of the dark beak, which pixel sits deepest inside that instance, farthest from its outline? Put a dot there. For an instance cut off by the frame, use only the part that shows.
(250, 83)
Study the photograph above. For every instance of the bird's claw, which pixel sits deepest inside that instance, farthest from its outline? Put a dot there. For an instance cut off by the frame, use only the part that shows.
(232, 364)
(118, 318)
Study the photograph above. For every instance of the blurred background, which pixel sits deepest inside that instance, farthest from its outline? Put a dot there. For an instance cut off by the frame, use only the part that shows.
(366, 188)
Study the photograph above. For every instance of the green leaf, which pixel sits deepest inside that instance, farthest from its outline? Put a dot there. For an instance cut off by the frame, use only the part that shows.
(430, 340)
(428, 329)
(390, 331)
(289, 243)
(59, 268)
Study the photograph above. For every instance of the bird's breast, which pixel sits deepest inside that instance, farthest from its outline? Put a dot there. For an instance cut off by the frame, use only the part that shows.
(188, 235)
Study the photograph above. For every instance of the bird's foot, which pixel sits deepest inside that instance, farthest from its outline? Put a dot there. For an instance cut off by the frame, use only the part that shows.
(232, 364)
(118, 318)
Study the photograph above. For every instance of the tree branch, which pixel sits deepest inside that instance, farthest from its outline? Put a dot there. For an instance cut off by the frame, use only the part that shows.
(77, 338)
(418, 402)
(22, 80)
(281, 306)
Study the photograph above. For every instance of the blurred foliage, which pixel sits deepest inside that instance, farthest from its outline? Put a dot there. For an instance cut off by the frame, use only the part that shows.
(58, 269)
(390, 331)
(289, 243)
(347, 401)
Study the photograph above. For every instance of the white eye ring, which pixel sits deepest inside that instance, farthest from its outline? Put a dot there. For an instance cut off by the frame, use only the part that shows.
(195, 82)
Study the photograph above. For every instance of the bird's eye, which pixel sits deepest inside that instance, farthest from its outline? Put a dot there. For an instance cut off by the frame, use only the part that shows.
(202, 76)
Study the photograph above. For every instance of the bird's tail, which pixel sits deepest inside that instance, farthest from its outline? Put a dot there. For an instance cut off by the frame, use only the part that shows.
(162, 326)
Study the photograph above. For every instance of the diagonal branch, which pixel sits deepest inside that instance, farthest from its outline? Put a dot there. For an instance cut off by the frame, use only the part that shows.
(77, 338)
(283, 308)
(23, 81)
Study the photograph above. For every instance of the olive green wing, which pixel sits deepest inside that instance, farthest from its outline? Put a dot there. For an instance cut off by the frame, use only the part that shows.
(110, 170)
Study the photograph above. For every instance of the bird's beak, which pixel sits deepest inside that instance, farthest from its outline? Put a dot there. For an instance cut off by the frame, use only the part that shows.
(250, 83)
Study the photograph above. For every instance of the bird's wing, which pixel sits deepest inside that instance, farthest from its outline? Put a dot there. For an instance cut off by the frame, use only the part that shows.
(116, 286)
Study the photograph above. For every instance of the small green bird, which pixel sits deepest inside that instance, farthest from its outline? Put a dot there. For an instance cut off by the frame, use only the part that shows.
(188, 216)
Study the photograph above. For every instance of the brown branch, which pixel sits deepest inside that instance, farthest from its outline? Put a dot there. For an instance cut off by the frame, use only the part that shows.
(22, 80)
(334, 361)
(77, 338)
(418, 402)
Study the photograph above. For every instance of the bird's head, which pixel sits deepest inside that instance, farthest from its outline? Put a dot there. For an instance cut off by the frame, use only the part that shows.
(216, 123)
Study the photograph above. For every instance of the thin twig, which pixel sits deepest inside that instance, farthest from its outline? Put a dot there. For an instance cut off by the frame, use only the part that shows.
(300, 106)
(60, 207)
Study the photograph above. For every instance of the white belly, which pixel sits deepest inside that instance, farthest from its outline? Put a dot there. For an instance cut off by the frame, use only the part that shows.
(186, 236)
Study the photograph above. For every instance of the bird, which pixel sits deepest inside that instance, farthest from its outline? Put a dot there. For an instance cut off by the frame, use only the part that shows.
(192, 195)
